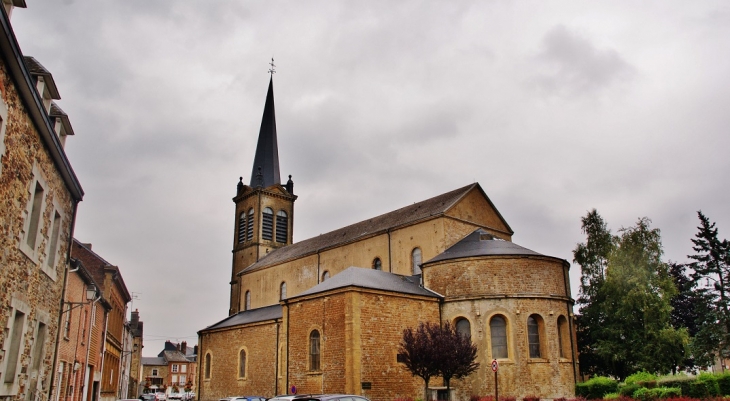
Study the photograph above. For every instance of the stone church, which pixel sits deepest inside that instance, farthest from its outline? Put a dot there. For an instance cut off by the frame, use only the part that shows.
(326, 315)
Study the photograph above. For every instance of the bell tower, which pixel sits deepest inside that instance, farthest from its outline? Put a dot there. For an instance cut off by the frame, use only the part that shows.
(264, 218)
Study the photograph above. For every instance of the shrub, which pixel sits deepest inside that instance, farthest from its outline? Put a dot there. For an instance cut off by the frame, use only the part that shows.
(531, 398)
(596, 387)
(650, 394)
(474, 398)
(642, 376)
(681, 381)
(705, 386)
(611, 396)
(508, 398)
(723, 383)
(628, 390)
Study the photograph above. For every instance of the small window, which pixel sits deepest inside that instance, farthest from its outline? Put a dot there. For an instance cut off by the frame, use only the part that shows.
(377, 264)
(416, 261)
(242, 227)
(3, 124)
(498, 333)
(267, 224)
(314, 351)
(282, 227)
(154, 372)
(31, 236)
(12, 358)
(563, 337)
(53, 248)
(242, 364)
(249, 225)
(463, 327)
(174, 368)
(247, 305)
(533, 335)
(325, 275)
(282, 291)
(207, 366)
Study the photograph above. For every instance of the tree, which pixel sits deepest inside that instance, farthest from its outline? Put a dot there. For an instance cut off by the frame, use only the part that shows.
(433, 350)
(415, 349)
(592, 256)
(686, 307)
(712, 275)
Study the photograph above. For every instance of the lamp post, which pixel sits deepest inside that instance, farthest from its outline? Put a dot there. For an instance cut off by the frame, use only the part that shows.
(90, 297)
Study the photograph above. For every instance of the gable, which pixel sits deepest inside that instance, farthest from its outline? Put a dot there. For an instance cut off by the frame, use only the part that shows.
(476, 207)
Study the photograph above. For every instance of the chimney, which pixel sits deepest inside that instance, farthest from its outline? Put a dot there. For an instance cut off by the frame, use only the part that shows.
(183, 347)
(134, 321)
(195, 350)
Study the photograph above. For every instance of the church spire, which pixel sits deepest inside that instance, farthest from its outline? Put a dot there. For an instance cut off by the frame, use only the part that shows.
(266, 161)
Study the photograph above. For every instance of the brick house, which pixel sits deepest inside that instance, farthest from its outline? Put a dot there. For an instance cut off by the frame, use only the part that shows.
(39, 194)
(326, 314)
(115, 292)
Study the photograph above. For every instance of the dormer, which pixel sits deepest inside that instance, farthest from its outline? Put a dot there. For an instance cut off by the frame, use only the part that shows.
(10, 4)
(44, 82)
(60, 123)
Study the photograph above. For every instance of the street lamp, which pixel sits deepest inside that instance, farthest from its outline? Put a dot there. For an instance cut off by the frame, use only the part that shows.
(90, 296)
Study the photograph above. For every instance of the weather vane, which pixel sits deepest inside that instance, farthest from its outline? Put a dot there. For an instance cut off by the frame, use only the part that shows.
(272, 71)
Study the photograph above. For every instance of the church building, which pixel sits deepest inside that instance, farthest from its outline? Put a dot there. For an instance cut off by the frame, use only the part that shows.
(326, 315)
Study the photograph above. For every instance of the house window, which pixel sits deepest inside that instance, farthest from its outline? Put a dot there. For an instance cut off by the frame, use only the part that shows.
(498, 333)
(282, 291)
(282, 226)
(182, 379)
(34, 217)
(267, 224)
(55, 234)
(38, 348)
(416, 261)
(12, 357)
(377, 264)
(67, 324)
(325, 275)
(247, 304)
(249, 225)
(314, 351)
(241, 227)
(3, 125)
(463, 327)
(174, 379)
(174, 368)
(242, 364)
(534, 323)
(154, 372)
(183, 368)
(207, 366)
(563, 337)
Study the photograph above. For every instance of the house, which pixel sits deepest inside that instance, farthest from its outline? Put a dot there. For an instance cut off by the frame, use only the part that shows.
(326, 314)
(39, 194)
(173, 370)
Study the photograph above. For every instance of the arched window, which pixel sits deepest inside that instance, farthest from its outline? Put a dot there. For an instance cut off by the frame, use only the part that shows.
(249, 225)
(267, 224)
(463, 327)
(314, 351)
(325, 275)
(416, 261)
(533, 335)
(377, 264)
(242, 364)
(247, 304)
(498, 333)
(207, 366)
(241, 227)
(563, 337)
(282, 226)
(282, 291)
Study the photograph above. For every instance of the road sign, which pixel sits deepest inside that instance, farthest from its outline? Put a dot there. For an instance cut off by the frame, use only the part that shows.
(495, 365)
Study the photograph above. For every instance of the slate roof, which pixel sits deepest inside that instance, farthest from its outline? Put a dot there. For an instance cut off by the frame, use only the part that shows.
(36, 68)
(482, 243)
(418, 211)
(153, 361)
(175, 356)
(267, 150)
(98, 266)
(57, 112)
(370, 278)
(250, 316)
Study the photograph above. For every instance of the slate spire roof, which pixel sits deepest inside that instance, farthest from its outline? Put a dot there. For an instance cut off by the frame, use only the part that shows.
(265, 172)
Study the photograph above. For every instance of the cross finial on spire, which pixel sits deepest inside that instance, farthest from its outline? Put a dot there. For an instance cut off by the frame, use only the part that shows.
(272, 70)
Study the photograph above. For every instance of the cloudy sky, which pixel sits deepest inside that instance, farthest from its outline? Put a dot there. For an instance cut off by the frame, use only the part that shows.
(555, 108)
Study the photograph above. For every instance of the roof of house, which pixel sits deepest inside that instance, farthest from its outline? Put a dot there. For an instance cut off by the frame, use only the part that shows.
(482, 243)
(249, 316)
(98, 267)
(153, 361)
(174, 356)
(407, 215)
(372, 279)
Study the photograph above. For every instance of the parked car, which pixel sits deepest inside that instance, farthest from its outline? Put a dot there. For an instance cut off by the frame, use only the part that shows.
(188, 396)
(175, 396)
(147, 397)
(327, 397)
(160, 396)
(244, 398)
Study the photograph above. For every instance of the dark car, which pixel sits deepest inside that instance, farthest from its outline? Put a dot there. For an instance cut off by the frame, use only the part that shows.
(320, 397)
(147, 397)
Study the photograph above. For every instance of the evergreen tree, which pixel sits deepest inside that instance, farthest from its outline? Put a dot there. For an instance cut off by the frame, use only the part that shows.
(686, 307)
(712, 275)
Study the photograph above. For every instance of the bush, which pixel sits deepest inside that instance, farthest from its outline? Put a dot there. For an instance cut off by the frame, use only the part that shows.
(705, 386)
(680, 381)
(508, 398)
(642, 376)
(723, 382)
(611, 396)
(596, 388)
(628, 390)
(474, 398)
(650, 394)
(531, 398)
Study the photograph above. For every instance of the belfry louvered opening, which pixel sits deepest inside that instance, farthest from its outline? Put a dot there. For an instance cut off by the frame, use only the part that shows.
(282, 226)
(242, 227)
(267, 224)
(249, 225)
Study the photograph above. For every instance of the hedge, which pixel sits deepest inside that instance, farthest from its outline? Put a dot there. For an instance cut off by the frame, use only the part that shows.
(596, 388)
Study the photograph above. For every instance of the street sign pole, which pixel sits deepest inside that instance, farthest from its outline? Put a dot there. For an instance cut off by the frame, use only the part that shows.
(495, 368)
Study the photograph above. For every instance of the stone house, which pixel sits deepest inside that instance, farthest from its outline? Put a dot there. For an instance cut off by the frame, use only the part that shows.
(172, 370)
(115, 292)
(39, 194)
(326, 315)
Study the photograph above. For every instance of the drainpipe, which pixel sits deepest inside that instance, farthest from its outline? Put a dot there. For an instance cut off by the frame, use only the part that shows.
(390, 260)
(103, 350)
(570, 323)
(276, 361)
(319, 275)
(286, 390)
(63, 298)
